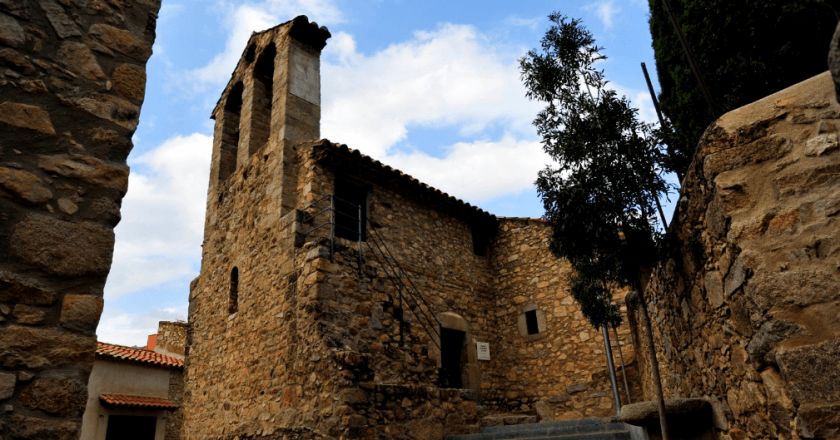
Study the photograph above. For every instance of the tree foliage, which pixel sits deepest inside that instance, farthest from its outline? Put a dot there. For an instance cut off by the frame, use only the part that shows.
(599, 195)
(745, 50)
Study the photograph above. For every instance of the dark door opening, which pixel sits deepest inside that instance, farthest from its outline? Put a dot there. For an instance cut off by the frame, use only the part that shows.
(348, 198)
(451, 347)
(131, 428)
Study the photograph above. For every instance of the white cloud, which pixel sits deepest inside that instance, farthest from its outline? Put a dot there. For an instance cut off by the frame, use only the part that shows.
(477, 171)
(133, 329)
(605, 11)
(530, 23)
(243, 19)
(160, 237)
(451, 77)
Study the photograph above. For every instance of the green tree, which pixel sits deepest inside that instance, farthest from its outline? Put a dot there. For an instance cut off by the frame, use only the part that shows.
(744, 49)
(607, 174)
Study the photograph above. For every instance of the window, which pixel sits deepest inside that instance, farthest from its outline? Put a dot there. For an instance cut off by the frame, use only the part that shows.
(233, 303)
(531, 322)
(231, 125)
(348, 198)
(263, 98)
(482, 232)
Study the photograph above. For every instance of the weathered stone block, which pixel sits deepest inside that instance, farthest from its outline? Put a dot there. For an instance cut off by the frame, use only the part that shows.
(32, 428)
(577, 388)
(24, 185)
(64, 26)
(7, 385)
(771, 333)
(714, 289)
(11, 33)
(81, 312)
(61, 397)
(26, 116)
(16, 289)
(109, 108)
(812, 372)
(800, 288)
(37, 348)
(78, 58)
(53, 245)
(87, 169)
(121, 41)
(130, 81)
(25, 314)
(821, 421)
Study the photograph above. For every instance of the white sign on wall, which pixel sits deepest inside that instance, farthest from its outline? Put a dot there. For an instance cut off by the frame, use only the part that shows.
(483, 349)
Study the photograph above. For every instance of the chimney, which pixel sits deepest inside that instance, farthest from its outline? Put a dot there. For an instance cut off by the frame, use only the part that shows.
(151, 343)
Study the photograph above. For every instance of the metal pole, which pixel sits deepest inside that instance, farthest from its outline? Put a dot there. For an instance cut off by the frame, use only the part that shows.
(661, 119)
(360, 239)
(402, 312)
(623, 367)
(332, 227)
(661, 213)
(690, 57)
(612, 369)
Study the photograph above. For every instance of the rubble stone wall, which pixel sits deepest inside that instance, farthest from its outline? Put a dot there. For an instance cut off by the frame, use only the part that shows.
(561, 372)
(745, 313)
(171, 338)
(72, 81)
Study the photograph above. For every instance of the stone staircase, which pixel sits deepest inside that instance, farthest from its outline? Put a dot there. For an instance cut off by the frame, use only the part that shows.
(586, 429)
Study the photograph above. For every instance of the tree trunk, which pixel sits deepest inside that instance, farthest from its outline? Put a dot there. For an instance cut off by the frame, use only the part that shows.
(654, 364)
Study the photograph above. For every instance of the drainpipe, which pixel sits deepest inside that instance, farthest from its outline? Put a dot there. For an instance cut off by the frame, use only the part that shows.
(614, 383)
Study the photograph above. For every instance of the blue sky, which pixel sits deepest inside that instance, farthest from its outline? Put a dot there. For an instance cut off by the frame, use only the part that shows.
(430, 87)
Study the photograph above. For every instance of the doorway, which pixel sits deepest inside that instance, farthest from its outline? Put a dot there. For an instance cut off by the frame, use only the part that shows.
(451, 352)
(131, 428)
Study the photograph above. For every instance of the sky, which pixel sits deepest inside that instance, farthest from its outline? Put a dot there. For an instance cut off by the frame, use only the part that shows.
(429, 87)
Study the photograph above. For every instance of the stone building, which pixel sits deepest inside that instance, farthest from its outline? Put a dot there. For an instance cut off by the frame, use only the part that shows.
(72, 82)
(133, 393)
(745, 313)
(171, 339)
(340, 298)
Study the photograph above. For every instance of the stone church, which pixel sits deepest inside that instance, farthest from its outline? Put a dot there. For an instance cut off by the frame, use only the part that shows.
(341, 298)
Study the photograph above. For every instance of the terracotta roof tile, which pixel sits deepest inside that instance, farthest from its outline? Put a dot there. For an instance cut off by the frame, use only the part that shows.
(138, 355)
(132, 401)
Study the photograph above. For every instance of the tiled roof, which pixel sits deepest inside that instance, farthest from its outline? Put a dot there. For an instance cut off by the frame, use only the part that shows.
(138, 355)
(397, 173)
(131, 401)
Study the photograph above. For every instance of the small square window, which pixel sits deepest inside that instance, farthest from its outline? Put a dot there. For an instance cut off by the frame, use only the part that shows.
(531, 322)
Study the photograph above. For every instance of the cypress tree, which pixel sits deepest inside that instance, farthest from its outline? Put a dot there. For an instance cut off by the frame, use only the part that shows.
(745, 50)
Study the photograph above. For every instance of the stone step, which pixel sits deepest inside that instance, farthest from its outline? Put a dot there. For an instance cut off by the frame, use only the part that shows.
(589, 429)
(609, 435)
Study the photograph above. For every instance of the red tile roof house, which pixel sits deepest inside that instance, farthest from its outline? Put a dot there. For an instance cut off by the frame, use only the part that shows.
(133, 393)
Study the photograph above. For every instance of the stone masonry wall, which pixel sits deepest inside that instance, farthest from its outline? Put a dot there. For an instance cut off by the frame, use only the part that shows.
(171, 338)
(745, 313)
(560, 372)
(72, 80)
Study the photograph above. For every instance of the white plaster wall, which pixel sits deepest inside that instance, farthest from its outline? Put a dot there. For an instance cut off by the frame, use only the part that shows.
(122, 378)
